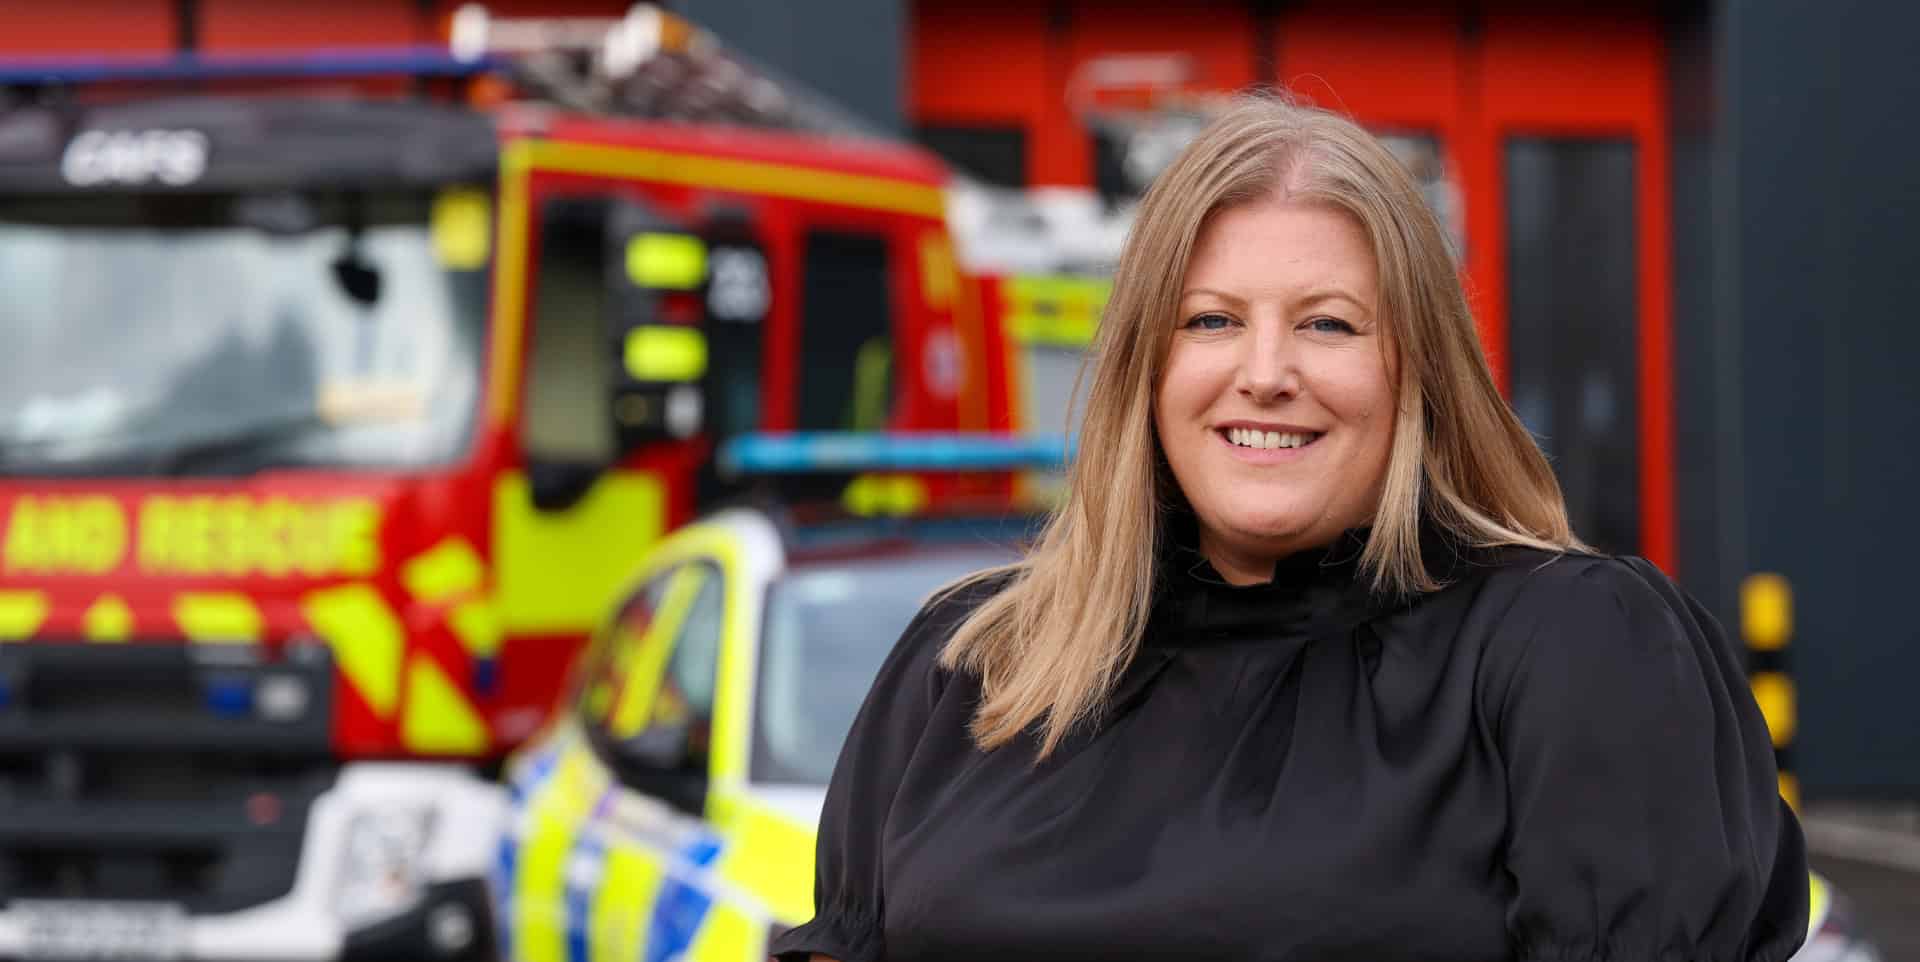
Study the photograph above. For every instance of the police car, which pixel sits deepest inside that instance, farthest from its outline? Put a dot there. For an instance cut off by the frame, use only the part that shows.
(669, 810)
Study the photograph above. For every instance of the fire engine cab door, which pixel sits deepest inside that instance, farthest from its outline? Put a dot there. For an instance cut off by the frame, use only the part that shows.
(846, 378)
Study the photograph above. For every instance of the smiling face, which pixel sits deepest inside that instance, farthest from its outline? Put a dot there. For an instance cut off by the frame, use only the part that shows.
(1275, 407)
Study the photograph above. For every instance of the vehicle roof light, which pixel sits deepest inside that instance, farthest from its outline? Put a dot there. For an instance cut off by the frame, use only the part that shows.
(831, 451)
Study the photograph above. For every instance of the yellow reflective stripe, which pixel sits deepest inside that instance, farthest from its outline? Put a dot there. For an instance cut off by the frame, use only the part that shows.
(665, 352)
(767, 855)
(539, 889)
(439, 719)
(448, 570)
(558, 572)
(108, 619)
(477, 624)
(740, 176)
(366, 638)
(731, 735)
(726, 935)
(666, 261)
(554, 815)
(939, 281)
(218, 617)
(622, 904)
(645, 658)
(1790, 790)
(21, 614)
(509, 285)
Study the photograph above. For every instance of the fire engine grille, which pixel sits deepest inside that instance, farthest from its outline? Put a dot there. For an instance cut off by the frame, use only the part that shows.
(158, 771)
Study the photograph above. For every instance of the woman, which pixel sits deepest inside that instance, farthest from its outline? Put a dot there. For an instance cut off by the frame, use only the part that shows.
(1309, 664)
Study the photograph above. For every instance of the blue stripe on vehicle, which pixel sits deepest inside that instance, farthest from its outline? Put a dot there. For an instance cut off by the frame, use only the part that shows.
(579, 895)
(680, 906)
(506, 863)
(538, 768)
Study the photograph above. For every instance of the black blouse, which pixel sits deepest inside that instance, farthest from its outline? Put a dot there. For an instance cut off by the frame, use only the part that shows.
(1552, 758)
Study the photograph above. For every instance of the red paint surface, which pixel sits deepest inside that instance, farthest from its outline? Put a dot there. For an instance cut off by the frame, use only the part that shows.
(107, 27)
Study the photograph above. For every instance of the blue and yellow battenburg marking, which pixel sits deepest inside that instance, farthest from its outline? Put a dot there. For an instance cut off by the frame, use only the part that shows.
(582, 877)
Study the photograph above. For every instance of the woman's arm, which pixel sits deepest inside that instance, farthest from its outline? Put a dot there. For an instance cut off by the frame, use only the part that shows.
(1645, 820)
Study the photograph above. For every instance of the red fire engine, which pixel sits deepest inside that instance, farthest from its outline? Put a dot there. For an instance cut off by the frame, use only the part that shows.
(331, 420)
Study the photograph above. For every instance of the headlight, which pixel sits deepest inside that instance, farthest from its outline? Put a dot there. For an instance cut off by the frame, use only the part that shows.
(383, 870)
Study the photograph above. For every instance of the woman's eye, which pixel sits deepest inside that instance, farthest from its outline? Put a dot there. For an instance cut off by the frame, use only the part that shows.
(1208, 322)
(1329, 325)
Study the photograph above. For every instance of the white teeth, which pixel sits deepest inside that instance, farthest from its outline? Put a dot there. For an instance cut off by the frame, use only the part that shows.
(1264, 440)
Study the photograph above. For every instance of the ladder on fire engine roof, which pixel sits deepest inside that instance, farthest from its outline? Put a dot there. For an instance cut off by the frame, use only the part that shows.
(647, 64)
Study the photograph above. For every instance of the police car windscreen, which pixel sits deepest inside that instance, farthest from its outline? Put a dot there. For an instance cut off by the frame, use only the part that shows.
(828, 628)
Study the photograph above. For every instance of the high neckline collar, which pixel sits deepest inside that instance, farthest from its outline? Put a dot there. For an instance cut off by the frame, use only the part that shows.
(1312, 592)
(1181, 558)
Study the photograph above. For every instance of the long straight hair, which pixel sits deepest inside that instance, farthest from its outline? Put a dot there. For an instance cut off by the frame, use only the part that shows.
(1049, 647)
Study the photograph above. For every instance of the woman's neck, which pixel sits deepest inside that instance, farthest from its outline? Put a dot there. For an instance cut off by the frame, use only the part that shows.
(1246, 565)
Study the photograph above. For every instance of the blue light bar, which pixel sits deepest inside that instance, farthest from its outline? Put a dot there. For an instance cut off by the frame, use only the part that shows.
(415, 60)
(831, 451)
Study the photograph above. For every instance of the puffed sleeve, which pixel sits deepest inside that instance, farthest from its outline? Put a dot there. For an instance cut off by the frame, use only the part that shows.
(1646, 821)
(848, 911)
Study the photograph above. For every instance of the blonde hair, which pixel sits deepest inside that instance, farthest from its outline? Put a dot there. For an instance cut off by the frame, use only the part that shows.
(1049, 646)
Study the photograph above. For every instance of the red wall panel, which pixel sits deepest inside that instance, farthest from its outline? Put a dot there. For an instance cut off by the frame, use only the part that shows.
(106, 27)
(1011, 63)
(291, 24)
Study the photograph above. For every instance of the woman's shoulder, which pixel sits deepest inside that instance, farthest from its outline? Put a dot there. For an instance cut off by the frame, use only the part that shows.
(1602, 617)
(954, 603)
(1570, 584)
(942, 614)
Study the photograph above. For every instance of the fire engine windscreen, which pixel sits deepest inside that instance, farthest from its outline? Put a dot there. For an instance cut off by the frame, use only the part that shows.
(829, 626)
(225, 333)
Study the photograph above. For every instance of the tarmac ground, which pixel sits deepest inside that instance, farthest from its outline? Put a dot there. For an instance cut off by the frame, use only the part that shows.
(1873, 858)
(1887, 901)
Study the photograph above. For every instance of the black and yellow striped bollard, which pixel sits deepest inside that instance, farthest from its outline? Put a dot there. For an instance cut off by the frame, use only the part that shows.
(1766, 622)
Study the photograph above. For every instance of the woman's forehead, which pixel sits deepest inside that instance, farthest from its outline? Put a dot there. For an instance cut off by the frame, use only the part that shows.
(1283, 246)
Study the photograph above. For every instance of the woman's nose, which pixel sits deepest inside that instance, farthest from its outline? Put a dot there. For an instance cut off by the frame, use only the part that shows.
(1268, 370)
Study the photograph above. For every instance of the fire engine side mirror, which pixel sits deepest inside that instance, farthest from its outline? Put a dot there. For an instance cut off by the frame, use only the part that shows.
(656, 271)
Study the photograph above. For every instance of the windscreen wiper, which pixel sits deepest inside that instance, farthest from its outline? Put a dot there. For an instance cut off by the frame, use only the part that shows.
(186, 456)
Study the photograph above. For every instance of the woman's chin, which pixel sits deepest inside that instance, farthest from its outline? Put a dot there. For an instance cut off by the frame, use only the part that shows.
(1277, 533)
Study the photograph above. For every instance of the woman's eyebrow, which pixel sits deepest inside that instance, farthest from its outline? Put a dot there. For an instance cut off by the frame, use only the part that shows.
(1312, 298)
(1233, 299)
(1321, 296)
